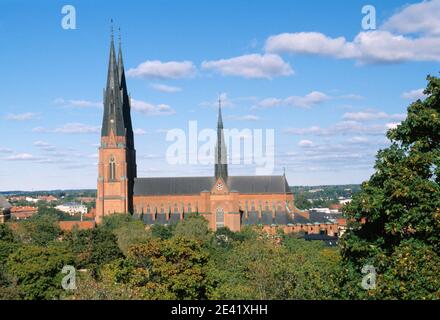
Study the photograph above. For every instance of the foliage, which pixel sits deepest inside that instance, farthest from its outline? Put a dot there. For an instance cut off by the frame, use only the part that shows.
(37, 270)
(396, 216)
(194, 227)
(93, 248)
(39, 229)
(162, 231)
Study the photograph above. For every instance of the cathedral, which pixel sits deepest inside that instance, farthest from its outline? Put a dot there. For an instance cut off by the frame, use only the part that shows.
(223, 200)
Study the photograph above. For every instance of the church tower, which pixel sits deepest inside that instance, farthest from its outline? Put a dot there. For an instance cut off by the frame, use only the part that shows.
(117, 156)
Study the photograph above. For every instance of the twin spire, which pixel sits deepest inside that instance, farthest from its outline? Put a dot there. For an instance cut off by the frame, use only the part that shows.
(117, 117)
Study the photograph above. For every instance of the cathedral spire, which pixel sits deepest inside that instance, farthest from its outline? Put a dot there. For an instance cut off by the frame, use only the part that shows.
(126, 107)
(113, 120)
(221, 164)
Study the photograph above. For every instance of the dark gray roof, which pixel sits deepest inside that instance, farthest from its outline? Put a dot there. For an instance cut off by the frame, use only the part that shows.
(4, 204)
(172, 185)
(195, 185)
(258, 184)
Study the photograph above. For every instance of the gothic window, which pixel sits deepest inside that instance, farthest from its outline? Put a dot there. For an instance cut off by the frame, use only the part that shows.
(220, 218)
(253, 206)
(112, 168)
(148, 209)
(189, 207)
(267, 205)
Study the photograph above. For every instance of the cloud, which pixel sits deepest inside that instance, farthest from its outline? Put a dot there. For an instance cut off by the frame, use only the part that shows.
(341, 128)
(69, 128)
(21, 157)
(247, 117)
(414, 94)
(305, 143)
(367, 47)
(165, 88)
(225, 101)
(150, 109)
(371, 115)
(253, 66)
(420, 17)
(412, 34)
(78, 103)
(156, 69)
(5, 150)
(44, 145)
(21, 116)
(309, 100)
(358, 140)
(139, 132)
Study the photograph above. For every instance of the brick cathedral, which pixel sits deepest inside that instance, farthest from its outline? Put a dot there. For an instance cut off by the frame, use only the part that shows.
(223, 200)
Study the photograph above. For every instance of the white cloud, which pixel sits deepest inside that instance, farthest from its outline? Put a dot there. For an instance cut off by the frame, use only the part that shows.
(156, 69)
(414, 94)
(44, 145)
(309, 100)
(225, 101)
(78, 103)
(5, 150)
(371, 115)
(423, 17)
(305, 143)
(21, 157)
(251, 66)
(341, 128)
(309, 43)
(367, 47)
(21, 116)
(69, 128)
(150, 109)
(247, 117)
(358, 140)
(139, 132)
(165, 88)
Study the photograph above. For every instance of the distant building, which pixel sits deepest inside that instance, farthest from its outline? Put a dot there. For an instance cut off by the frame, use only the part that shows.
(5, 210)
(23, 213)
(49, 198)
(30, 199)
(72, 208)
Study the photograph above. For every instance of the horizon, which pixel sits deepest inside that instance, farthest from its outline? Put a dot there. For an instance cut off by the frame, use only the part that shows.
(328, 127)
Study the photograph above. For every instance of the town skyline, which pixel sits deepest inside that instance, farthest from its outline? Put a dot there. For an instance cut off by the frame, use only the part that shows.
(328, 126)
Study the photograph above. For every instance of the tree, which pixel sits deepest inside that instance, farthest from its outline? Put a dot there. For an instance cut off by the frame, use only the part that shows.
(37, 270)
(39, 229)
(165, 269)
(399, 208)
(195, 227)
(161, 231)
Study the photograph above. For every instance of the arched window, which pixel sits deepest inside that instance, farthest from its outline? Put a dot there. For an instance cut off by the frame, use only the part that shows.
(220, 218)
(189, 207)
(112, 168)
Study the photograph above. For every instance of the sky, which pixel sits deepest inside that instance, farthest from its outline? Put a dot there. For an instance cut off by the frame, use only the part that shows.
(327, 84)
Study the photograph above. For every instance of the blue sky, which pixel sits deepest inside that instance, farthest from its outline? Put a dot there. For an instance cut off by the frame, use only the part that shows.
(306, 69)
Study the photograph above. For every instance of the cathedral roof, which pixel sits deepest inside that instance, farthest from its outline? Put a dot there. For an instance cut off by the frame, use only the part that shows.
(195, 185)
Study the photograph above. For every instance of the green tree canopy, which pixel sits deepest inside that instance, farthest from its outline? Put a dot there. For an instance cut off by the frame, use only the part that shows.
(399, 208)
